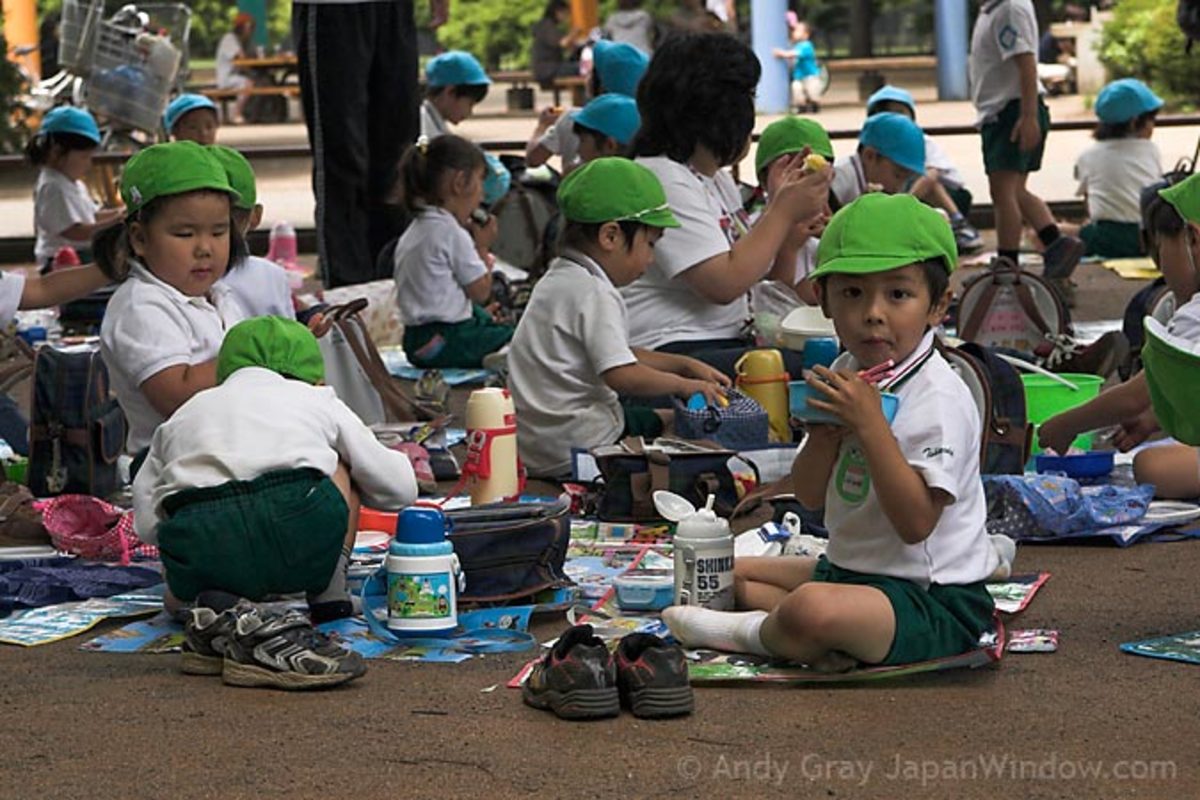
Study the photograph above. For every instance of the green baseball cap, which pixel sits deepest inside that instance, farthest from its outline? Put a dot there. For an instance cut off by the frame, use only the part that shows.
(172, 168)
(879, 232)
(615, 190)
(280, 345)
(791, 135)
(240, 174)
(1185, 197)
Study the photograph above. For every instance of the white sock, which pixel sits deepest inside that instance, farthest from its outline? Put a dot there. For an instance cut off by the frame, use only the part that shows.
(731, 631)
(1006, 549)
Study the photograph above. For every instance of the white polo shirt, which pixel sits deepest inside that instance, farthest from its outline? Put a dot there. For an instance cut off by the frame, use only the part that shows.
(261, 288)
(149, 326)
(662, 307)
(59, 203)
(433, 124)
(435, 259)
(572, 332)
(561, 139)
(1185, 322)
(849, 179)
(938, 430)
(1112, 173)
(12, 286)
(1003, 29)
(936, 158)
(256, 422)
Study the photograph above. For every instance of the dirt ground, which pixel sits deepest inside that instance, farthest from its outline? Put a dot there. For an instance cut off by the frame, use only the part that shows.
(1087, 721)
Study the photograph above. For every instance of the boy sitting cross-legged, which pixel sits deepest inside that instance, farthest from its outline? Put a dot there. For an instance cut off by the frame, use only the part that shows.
(902, 581)
(570, 357)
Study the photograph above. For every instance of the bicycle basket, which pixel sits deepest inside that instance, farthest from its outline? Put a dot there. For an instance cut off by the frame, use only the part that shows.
(131, 77)
(77, 33)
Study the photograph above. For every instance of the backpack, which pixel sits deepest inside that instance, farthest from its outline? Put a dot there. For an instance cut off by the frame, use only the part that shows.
(1157, 301)
(76, 428)
(741, 424)
(524, 218)
(1009, 307)
(511, 550)
(996, 387)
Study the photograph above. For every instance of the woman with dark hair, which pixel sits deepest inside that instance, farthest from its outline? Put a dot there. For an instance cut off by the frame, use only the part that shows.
(546, 56)
(697, 108)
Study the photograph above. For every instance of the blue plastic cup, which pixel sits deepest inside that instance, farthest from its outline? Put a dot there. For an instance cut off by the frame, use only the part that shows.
(820, 350)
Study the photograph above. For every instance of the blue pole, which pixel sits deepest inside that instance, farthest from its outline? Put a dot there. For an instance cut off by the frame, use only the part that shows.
(950, 21)
(768, 30)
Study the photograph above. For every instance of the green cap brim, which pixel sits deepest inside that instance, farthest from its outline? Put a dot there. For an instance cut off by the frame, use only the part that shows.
(660, 217)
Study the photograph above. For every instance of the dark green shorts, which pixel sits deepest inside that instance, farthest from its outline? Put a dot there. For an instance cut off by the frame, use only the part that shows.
(279, 533)
(456, 344)
(1002, 155)
(943, 621)
(1112, 239)
(961, 196)
(641, 421)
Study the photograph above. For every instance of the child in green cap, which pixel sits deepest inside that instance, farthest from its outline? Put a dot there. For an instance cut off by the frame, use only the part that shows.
(253, 487)
(1171, 217)
(570, 357)
(260, 286)
(903, 578)
(164, 325)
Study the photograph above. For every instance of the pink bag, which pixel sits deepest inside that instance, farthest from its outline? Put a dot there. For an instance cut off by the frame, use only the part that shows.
(91, 528)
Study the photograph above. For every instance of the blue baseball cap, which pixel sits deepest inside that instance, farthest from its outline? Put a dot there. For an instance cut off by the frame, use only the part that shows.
(614, 115)
(897, 137)
(620, 66)
(68, 119)
(182, 105)
(1123, 100)
(496, 179)
(455, 68)
(893, 94)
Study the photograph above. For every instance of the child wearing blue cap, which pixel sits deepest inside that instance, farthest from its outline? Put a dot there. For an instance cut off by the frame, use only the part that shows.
(454, 82)
(942, 186)
(617, 68)
(64, 213)
(606, 126)
(903, 579)
(890, 158)
(1013, 121)
(192, 117)
(1113, 171)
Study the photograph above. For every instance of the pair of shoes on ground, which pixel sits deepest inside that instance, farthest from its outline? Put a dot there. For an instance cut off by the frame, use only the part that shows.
(248, 646)
(965, 235)
(580, 678)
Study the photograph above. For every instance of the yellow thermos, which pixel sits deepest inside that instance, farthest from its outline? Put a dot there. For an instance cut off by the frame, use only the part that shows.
(760, 374)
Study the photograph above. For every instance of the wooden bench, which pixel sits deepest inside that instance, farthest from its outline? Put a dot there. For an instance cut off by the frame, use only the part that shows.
(576, 85)
(223, 97)
(871, 77)
(520, 96)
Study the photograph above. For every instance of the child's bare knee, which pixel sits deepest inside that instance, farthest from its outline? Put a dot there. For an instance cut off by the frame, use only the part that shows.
(808, 613)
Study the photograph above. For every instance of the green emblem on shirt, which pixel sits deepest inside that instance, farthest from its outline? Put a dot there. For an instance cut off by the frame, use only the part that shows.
(852, 480)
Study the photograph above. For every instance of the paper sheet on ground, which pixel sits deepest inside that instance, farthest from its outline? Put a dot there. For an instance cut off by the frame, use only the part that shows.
(1180, 647)
(1133, 269)
(1012, 596)
(53, 623)
(398, 365)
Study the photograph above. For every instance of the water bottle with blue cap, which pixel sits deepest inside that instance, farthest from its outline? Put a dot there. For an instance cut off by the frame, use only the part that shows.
(423, 576)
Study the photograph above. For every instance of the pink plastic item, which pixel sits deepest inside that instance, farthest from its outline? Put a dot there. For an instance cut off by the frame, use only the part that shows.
(282, 248)
(90, 528)
(66, 257)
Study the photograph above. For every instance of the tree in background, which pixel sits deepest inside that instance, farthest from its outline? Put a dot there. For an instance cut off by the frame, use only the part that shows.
(1142, 40)
(13, 131)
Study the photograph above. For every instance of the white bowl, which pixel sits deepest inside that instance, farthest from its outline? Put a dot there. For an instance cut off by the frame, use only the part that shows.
(804, 323)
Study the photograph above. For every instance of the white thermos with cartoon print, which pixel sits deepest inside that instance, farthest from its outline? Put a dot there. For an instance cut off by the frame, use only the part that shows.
(423, 576)
(703, 553)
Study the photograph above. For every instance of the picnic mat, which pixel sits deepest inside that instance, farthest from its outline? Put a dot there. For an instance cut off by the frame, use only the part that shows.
(37, 582)
(1133, 269)
(1015, 594)
(398, 365)
(1180, 647)
(52, 623)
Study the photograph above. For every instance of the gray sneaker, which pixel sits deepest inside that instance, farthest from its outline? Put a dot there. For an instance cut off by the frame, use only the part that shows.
(284, 651)
(205, 638)
(1061, 257)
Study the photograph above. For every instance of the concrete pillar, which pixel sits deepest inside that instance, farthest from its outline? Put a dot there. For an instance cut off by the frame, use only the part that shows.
(768, 30)
(953, 40)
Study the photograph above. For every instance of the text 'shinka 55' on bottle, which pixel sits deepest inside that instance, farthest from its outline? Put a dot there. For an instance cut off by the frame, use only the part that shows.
(703, 553)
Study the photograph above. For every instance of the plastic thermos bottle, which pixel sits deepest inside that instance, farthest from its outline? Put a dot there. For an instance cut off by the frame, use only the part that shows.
(281, 245)
(423, 576)
(491, 447)
(703, 553)
(820, 350)
(760, 375)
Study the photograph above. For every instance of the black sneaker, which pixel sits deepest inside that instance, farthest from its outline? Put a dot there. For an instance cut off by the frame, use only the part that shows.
(284, 651)
(1062, 256)
(652, 677)
(577, 679)
(205, 638)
